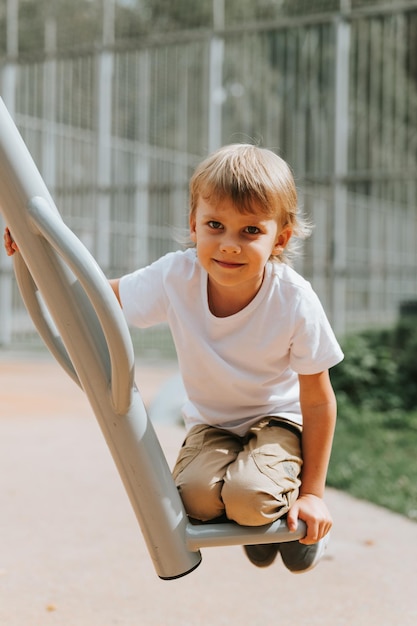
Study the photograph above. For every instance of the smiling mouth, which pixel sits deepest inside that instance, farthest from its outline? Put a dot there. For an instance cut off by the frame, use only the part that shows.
(228, 264)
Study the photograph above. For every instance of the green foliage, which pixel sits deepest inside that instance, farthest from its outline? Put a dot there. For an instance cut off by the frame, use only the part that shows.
(380, 369)
(373, 459)
(375, 443)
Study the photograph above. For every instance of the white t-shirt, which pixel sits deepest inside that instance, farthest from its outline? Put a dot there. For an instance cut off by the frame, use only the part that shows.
(240, 368)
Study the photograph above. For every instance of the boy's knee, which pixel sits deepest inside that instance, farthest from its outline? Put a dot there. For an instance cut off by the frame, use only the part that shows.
(202, 503)
(253, 508)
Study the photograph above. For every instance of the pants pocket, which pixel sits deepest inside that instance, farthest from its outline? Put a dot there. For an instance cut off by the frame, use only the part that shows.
(280, 458)
(191, 447)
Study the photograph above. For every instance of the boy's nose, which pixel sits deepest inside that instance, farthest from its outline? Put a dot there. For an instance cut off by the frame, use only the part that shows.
(229, 246)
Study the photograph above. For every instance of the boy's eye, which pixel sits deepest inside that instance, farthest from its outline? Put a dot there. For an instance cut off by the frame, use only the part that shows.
(214, 224)
(252, 230)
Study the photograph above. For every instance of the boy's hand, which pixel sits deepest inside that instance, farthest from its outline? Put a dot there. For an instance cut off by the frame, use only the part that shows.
(9, 243)
(314, 512)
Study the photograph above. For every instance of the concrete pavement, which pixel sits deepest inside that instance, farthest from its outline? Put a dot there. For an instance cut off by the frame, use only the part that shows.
(71, 552)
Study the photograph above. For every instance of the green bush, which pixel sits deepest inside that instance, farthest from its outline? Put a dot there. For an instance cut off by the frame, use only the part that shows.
(376, 435)
(379, 371)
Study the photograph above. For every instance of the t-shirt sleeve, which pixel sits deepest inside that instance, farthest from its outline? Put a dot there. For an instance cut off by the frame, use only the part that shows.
(314, 347)
(142, 295)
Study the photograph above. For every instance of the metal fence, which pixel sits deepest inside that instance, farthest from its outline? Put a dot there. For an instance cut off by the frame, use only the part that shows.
(116, 133)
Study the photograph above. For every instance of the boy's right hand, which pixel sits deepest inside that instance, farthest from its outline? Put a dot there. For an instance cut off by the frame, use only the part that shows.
(9, 243)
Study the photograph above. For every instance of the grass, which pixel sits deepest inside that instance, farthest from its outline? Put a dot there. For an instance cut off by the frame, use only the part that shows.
(374, 457)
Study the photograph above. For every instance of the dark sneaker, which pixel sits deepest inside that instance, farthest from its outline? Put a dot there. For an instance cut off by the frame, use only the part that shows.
(262, 554)
(299, 558)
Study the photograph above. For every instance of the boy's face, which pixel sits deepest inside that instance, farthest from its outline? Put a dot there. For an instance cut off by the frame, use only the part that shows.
(233, 247)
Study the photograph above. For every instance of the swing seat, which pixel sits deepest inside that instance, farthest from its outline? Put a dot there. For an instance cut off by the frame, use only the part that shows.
(80, 321)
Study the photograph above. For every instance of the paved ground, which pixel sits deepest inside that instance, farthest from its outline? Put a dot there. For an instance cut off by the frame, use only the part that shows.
(71, 553)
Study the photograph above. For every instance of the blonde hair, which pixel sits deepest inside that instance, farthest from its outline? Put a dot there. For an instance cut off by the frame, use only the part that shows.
(254, 179)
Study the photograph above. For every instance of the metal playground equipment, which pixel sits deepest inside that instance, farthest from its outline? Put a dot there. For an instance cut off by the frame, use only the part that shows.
(80, 321)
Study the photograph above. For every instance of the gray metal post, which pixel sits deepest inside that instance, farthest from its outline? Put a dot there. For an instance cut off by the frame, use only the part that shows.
(142, 165)
(105, 62)
(8, 79)
(8, 74)
(93, 346)
(340, 196)
(216, 92)
(49, 102)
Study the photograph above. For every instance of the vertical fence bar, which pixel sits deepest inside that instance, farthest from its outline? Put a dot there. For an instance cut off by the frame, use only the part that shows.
(49, 103)
(104, 136)
(8, 78)
(341, 126)
(104, 107)
(216, 79)
(142, 161)
(9, 69)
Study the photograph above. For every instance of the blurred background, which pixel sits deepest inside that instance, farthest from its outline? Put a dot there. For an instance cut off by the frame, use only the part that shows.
(117, 100)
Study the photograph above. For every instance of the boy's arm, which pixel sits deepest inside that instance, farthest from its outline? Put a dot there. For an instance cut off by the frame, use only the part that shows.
(114, 284)
(11, 247)
(318, 406)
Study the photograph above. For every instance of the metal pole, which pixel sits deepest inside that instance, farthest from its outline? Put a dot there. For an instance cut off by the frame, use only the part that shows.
(216, 91)
(93, 345)
(49, 105)
(8, 78)
(142, 163)
(340, 196)
(104, 136)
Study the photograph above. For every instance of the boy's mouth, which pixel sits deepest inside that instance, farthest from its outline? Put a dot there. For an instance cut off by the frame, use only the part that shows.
(228, 264)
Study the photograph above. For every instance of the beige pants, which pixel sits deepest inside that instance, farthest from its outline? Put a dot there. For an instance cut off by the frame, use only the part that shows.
(253, 480)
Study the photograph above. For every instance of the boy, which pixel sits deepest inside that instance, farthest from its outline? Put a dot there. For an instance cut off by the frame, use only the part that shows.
(254, 348)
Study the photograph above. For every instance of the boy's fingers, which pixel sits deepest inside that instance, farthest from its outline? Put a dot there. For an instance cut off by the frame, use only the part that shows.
(9, 243)
(292, 520)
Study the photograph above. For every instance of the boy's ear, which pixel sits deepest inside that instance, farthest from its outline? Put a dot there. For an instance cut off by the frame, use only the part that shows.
(283, 239)
(193, 234)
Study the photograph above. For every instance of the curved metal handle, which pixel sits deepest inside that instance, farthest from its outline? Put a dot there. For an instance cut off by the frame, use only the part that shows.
(50, 336)
(86, 270)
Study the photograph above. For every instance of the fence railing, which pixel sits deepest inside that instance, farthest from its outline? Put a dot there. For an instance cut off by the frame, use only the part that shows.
(116, 134)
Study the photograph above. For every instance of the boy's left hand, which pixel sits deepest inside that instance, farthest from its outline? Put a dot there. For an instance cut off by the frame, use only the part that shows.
(314, 512)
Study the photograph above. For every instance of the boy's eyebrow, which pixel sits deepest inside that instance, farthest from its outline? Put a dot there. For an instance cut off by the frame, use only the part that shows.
(211, 216)
(250, 218)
